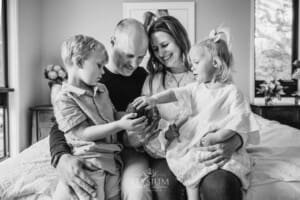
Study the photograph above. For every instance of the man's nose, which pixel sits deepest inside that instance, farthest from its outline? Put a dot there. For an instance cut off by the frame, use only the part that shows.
(134, 62)
(101, 71)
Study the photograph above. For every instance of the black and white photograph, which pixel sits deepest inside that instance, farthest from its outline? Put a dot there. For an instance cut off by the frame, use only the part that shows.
(149, 100)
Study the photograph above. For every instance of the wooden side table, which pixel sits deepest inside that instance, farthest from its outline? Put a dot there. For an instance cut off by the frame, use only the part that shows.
(42, 121)
(285, 114)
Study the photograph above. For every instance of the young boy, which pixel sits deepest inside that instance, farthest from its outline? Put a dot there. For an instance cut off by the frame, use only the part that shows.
(85, 113)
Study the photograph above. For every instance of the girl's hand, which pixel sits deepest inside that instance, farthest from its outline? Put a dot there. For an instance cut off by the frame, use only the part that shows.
(130, 123)
(143, 101)
(208, 139)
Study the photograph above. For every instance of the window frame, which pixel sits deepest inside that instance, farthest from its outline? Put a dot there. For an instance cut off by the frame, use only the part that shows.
(290, 86)
(4, 91)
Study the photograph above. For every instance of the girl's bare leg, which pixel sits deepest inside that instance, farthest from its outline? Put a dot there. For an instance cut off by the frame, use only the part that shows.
(193, 193)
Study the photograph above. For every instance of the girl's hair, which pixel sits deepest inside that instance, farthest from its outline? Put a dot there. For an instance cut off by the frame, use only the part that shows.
(174, 28)
(79, 47)
(218, 45)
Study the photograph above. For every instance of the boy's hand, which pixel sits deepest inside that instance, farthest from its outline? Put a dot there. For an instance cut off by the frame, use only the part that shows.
(130, 123)
(143, 101)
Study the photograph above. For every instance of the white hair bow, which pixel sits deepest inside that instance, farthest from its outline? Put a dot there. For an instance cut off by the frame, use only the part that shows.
(221, 33)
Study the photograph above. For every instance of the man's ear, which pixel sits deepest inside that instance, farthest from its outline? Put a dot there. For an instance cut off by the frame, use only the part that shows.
(112, 40)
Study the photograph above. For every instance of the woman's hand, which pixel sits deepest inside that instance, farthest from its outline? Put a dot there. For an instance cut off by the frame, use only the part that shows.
(130, 123)
(221, 152)
(143, 101)
(72, 171)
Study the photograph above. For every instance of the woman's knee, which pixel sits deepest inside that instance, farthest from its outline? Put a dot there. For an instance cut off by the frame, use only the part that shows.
(221, 184)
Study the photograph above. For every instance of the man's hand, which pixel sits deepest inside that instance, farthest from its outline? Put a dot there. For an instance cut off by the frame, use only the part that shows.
(221, 152)
(72, 170)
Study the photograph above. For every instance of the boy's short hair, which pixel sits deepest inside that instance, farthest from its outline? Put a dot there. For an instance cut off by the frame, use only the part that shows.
(78, 48)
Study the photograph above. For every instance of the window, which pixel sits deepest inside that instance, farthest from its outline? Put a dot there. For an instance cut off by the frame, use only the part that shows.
(4, 90)
(275, 42)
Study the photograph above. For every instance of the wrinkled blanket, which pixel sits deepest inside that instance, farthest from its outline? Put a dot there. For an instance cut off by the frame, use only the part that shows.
(276, 175)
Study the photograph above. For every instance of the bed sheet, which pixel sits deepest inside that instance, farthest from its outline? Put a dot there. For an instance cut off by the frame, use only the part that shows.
(29, 175)
(276, 174)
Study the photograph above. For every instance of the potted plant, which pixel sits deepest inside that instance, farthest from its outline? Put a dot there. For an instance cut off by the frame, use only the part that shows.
(271, 89)
(56, 75)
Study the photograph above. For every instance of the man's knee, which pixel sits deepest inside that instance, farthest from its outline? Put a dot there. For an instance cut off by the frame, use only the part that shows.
(221, 184)
(135, 181)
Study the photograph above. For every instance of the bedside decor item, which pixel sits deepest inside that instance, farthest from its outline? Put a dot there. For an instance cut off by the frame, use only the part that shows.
(285, 114)
(42, 122)
(271, 89)
(55, 74)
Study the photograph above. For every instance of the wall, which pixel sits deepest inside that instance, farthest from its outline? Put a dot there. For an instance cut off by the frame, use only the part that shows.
(24, 35)
(236, 15)
(62, 18)
(98, 18)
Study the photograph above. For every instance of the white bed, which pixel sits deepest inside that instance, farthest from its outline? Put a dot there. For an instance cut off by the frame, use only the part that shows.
(276, 174)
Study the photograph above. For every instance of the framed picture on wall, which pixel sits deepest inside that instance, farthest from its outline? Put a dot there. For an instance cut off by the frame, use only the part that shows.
(183, 11)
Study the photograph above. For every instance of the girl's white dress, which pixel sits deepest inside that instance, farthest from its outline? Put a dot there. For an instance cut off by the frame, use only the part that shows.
(169, 111)
(221, 107)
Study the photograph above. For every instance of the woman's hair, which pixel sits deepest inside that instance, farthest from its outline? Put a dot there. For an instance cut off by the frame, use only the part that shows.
(175, 29)
(79, 47)
(218, 45)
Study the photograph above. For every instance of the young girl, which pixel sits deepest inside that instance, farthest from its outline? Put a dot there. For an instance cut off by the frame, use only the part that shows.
(83, 111)
(213, 103)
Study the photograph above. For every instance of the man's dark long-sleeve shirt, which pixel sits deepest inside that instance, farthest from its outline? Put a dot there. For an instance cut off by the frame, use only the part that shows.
(122, 91)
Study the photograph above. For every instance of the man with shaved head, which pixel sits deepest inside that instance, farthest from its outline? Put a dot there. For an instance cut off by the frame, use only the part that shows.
(130, 43)
(124, 79)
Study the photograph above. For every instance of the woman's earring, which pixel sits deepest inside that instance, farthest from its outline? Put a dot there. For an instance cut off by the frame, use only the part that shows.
(217, 62)
(112, 40)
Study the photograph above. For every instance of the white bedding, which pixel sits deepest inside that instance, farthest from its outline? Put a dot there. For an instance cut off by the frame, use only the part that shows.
(276, 175)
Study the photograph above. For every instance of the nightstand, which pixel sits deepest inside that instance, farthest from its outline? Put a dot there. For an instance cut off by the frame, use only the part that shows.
(42, 121)
(285, 114)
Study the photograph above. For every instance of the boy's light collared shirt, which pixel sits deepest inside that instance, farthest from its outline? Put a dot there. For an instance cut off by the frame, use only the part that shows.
(77, 105)
(74, 105)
